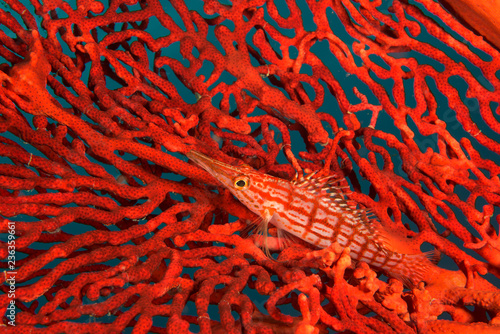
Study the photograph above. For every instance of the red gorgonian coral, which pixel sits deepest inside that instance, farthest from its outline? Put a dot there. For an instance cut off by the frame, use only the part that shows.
(106, 227)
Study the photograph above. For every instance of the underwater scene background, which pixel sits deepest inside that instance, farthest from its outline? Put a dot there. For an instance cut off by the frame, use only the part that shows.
(106, 226)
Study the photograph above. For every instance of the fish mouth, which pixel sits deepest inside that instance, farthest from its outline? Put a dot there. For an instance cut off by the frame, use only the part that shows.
(210, 165)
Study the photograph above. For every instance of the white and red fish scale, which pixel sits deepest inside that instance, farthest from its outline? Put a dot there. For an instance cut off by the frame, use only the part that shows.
(315, 210)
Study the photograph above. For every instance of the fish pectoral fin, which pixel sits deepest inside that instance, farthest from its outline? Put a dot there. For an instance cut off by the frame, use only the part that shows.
(268, 216)
(263, 228)
(286, 239)
(251, 227)
(283, 238)
(260, 227)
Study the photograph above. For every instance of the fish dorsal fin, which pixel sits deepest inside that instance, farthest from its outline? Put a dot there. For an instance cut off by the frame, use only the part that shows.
(321, 185)
(333, 191)
(433, 255)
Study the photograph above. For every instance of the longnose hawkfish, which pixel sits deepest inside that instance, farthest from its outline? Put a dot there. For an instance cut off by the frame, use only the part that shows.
(315, 210)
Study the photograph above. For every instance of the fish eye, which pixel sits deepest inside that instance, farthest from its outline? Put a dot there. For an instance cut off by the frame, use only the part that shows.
(241, 182)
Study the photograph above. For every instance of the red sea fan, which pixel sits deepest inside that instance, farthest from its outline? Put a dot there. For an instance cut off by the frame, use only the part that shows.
(106, 227)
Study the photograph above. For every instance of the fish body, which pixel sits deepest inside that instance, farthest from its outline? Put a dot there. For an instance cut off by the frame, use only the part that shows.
(316, 211)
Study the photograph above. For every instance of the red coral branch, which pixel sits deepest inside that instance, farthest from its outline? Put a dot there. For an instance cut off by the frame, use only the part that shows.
(106, 227)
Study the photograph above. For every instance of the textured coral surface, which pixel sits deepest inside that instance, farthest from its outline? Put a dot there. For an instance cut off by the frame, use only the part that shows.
(107, 228)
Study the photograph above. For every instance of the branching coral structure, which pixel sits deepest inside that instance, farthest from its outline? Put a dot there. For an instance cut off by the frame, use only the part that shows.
(106, 227)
